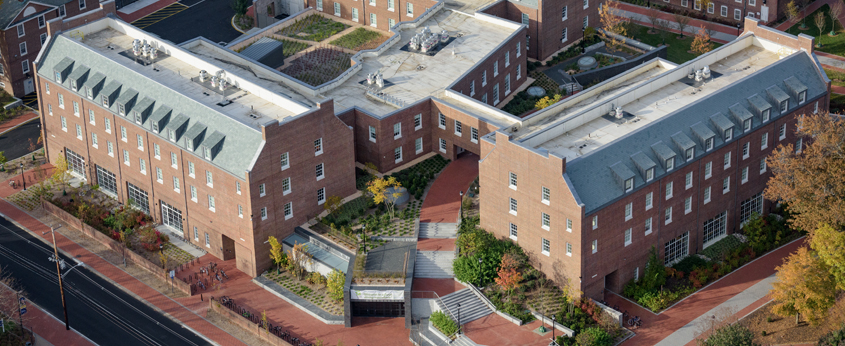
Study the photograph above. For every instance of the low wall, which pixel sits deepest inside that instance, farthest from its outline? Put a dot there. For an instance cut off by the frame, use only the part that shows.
(114, 245)
(568, 332)
(611, 71)
(244, 323)
(612, 312)
(14, 104)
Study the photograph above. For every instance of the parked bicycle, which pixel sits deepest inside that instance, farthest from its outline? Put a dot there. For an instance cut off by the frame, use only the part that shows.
(635, 322)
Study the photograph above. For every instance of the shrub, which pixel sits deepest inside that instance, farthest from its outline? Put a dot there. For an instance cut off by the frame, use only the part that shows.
(731, 335)
(443, 323)
(594, 337)
(834, 338)
(334, 282)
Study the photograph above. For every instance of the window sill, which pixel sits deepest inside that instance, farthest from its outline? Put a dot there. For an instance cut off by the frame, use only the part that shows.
(707, 177)
(628, 218)
(745, 156)
(459, 134)
(419, 151)
(627, 243)
(706, 201)
(569, 254)
(158, 180)
(594, 251)
(512, 212)
(285, 193)
(321, 202)
(320, 177)
(371, 140)
(391, 10)
(545, 227)
(442, 150)
(569, 230)
(764, 147)
(545, 201)
(208, 245)
(262, 195)
(744, 181)
(725, 191)
(111, 154)
(212, 210)
(194, 199)
(474, 141)
(318, 153)
(157, 157)
(687, 211)
(397, 161)
(288, 217)
(482, 84)
(442, 127)
(513, 237)
(283, 168)
(177, 190)
(417, 128)
(763, 172)
(513, 187)
(649, 207)
(545, 253)
(668, 197)
(210, 185)
(727, 167)
(191, 175)
(373, 25)
(647, 232)
(667, 222)
(174, 167)
(241, 216)
(263, 218)
(397, 137)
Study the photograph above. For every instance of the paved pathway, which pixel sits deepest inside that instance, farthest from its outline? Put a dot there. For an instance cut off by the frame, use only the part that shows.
(443, 201)
(49, 329)
(809, 10)
(20, 120)
(739, 289)
(721, 33)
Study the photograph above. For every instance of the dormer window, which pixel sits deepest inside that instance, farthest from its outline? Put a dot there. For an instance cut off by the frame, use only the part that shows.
(670, 164)
(105, 101)
(690, 153)
(629, 184)
(58, 77)
(746, 125)
(206, 153)
(190, 144)
(649, 174)
(89, 92)
(73, 84)
(172, 135)
(802, 96)
(767, 114)
(121, 109)
(138, 118)
(155, 127)
(729, 134)
(784, 105)
(708, 144)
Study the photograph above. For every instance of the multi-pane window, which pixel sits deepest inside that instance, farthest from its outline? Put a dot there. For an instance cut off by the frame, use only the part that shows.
(595, 246)
(417, 121)
(442, 145)
(628, 237)
(670, 186)
(238, 187)
(496, 68)
(107, 125)
(507, 58)
(746, 125)
(568, 249)
(319, 171)
(64, 123)
(418, 145)
(75, 108)
(629, 211)
(61, 101)
(707, 194)
(764, 141)
(649, 174)
(264, 213)
(649, 200)
(442, 120)
(726, 185)
(397, 130)
(667, 217)
(159, 174)
(372, 134)
(157, 151)
(240, 210)
(708, 169)
(545, 197)
(397, 155)
(563, 14)
(715, 227)
(763, 165)
(110, 148)
(751, 206)
(513, 232)
(78, 131)
(569, 225)
(690, 153)
(767, 114)
(285, 161)
(729, 134)
(670, 164)
(648, 226)
(727, 160)
(688, 180)
(484, 78)
(595, 221)
(193, 193)
(211, 205)
(318, 146)
(746, 150)
(94, 140)
(262, 191)
(286, 187)
(473, 134)
(676, 249)
(799, 145)
(744, 175)
(209, 179)
(525, 19)
(288, 210)
(191, 169)
(687, 205)
(459, 130)
(123, 135)
(546, 219)
(140, 142)
(512, 180)
(513, 206)
(724, 11)
(708, 144)
(629, 184)
(545, 246)
(176, 184)
(410, 9)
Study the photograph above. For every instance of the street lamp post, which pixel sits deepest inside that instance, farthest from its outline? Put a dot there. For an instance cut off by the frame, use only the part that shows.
(583, 31)
(554, 318)
(459, 318)
(59, 272)
(23, 178)
(737, 30)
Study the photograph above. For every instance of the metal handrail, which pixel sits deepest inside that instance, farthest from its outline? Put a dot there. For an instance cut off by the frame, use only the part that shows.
(436, 296)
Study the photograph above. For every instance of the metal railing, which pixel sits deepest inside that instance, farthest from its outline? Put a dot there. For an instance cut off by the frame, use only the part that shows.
(262, 324)
(434, 295)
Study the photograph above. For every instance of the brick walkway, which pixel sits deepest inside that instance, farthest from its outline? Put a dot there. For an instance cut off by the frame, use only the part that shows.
(49, 328)
(440, 286)
(657, 327)
(8, 125)
(442, 204)
(495, 330)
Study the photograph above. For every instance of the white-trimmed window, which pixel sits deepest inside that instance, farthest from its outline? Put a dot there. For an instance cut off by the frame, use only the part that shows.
(545, 195)
(569, 249)
(513, 206)
(123, 135)
(507, 58)
(262, 191)
(512, 180)
(110, 148)
(727, 160)
(737, 14)
(176, 184)
(410, 9)
(629, 211)
(507, 84)
(799, 145)
(191, 169)
(417, 121)
(595, 221)
(126, 157)
(715, 228)
(816, 108)
(473, 134)
(209, 179)
(459, 130)
(676, 249)
(288, 209)
(23, 48)
(649, 200)
(354, 14)
(690, 154)
(373, 21)
(61, 101)
(193, 193)
(390, 5)
(64, 123)
(319, 5)
(586, 21)
(688, 181)
(496, 68)
(546, 221)
(649, 174)
(79, 132)
(25, 66)
(782, 132)
(513, 231)
(418, 145)
(670, 187)
(726, 185)
(711, 7)
(706, 194)
(648, 226)
(545, 246)
(724, 11)
(518, 49)
(208, 239)
(784, 105)
(525, 19)
(767, 114)
(196, 234)
(397, 155)
(442, 121)
(211, 205)
(397, 130)
(174, 161)
(472, 88)
(628, 240)
(240, 211)
(518, 71)
(764, 141)
(746, 125)
(319, 172)
(140, 140)
(629, 184)
(670, 164)
(708, 170)
(802, 96)
(264, 213)
(238, 187)
(107, 124)
(751, 206)
(687, 205)
(763, 166)
(595, 245)
(442, 145)
(744, 175)
(708, 144)
(321, 196)
(286, 186)
(94, 140)
(483, 78)
(337, 9)
(76, 108)
(667, 217)
(372, 134)
(746, 150)
(50, 109)
(569, 225)
(159, 174)
(696, 5)
(318, 146)
(586, 3)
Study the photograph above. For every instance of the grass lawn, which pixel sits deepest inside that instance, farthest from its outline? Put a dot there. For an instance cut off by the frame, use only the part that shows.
(313, 28)
(357, 38)
(678, 49)
(836, 77)
(832, 45)
(5, 98)
(837, 103)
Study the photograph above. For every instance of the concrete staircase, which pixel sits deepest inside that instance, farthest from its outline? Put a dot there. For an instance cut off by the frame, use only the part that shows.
(438, 230)
(434, 264)
(472, 308)
(463, 340)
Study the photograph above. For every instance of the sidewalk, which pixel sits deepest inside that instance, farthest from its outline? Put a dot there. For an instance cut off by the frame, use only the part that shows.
(20, 120)
(809, 10)
(443, 202)
(737, 290)
(721, 33)
(52, 330)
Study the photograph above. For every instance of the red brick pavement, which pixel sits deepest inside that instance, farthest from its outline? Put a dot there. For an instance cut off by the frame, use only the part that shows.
(440, 286)
(495, 330)
(657, 327)
(8, 125)
(6, 189)
(50, 328)
(131, 17)
(436, 244)
(443, 203)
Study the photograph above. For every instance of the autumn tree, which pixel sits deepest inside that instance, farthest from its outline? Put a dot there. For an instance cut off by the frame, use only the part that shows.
(792, 12)
(298, 259)
(509, 275)
(820, 22)
(682, 21)
(333, 203)
(835, 11)
(3, 161)
(613, 25)
(385, 190)
(653, 16)
(701, 44)
(804, 286)
(276, 252)
(811, 183)
(802, 5)
(547, 101)
(61, 173)
(829, 245)
(334, 283)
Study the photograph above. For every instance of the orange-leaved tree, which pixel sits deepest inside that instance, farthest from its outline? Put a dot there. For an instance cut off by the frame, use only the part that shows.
(701, 44)
(810, 182)
(509, 275)
(804, 286)
(612, 24)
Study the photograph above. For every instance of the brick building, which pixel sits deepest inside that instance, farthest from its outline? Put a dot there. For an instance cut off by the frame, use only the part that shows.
(587, 193)
(733, 11)
(24, 26)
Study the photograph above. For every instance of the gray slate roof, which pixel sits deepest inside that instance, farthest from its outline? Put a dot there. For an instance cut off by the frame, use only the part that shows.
(595, 176)
(10, 9)
(241, 141)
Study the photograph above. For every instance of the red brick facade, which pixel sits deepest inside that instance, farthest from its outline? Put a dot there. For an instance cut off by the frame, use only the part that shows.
(401, 10)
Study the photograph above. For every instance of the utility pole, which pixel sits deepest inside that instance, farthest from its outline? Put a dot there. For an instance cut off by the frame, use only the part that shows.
(59, 272)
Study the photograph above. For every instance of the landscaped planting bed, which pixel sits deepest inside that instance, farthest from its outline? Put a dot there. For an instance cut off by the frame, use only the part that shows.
(417, 178)
(659, 287)
(313, 28)
(291, 47)
(315, 293)
(360, 39)
(319, 66)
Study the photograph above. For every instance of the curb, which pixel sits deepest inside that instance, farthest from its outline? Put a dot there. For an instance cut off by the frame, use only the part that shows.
(235, 26)
(21, 124)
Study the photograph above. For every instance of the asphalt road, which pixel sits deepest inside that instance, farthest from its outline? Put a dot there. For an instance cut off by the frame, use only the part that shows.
(96, 308)
(211, 19)
(15, 143)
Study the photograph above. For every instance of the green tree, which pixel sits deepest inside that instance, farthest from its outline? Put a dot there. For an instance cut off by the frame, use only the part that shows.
(730, 335)
(240, 6)
(334, 283)
(332, 204)
(829, 245)
(385, 190)
(3, 160)
(61, 174)
(276, 252)
(804, 286)
(546, 101)
(654, 274)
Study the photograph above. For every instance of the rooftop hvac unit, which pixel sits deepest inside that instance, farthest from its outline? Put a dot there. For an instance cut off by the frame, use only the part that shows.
(706, 72)
(203, 76)
(619, 113)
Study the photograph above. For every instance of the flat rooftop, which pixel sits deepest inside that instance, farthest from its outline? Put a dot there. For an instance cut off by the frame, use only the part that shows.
(400, 68)
(653, 102)
(251, 107)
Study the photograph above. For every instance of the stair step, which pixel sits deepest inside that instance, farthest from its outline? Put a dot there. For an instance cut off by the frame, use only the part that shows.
(472, 308)
(434, 264)
(438, 230)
